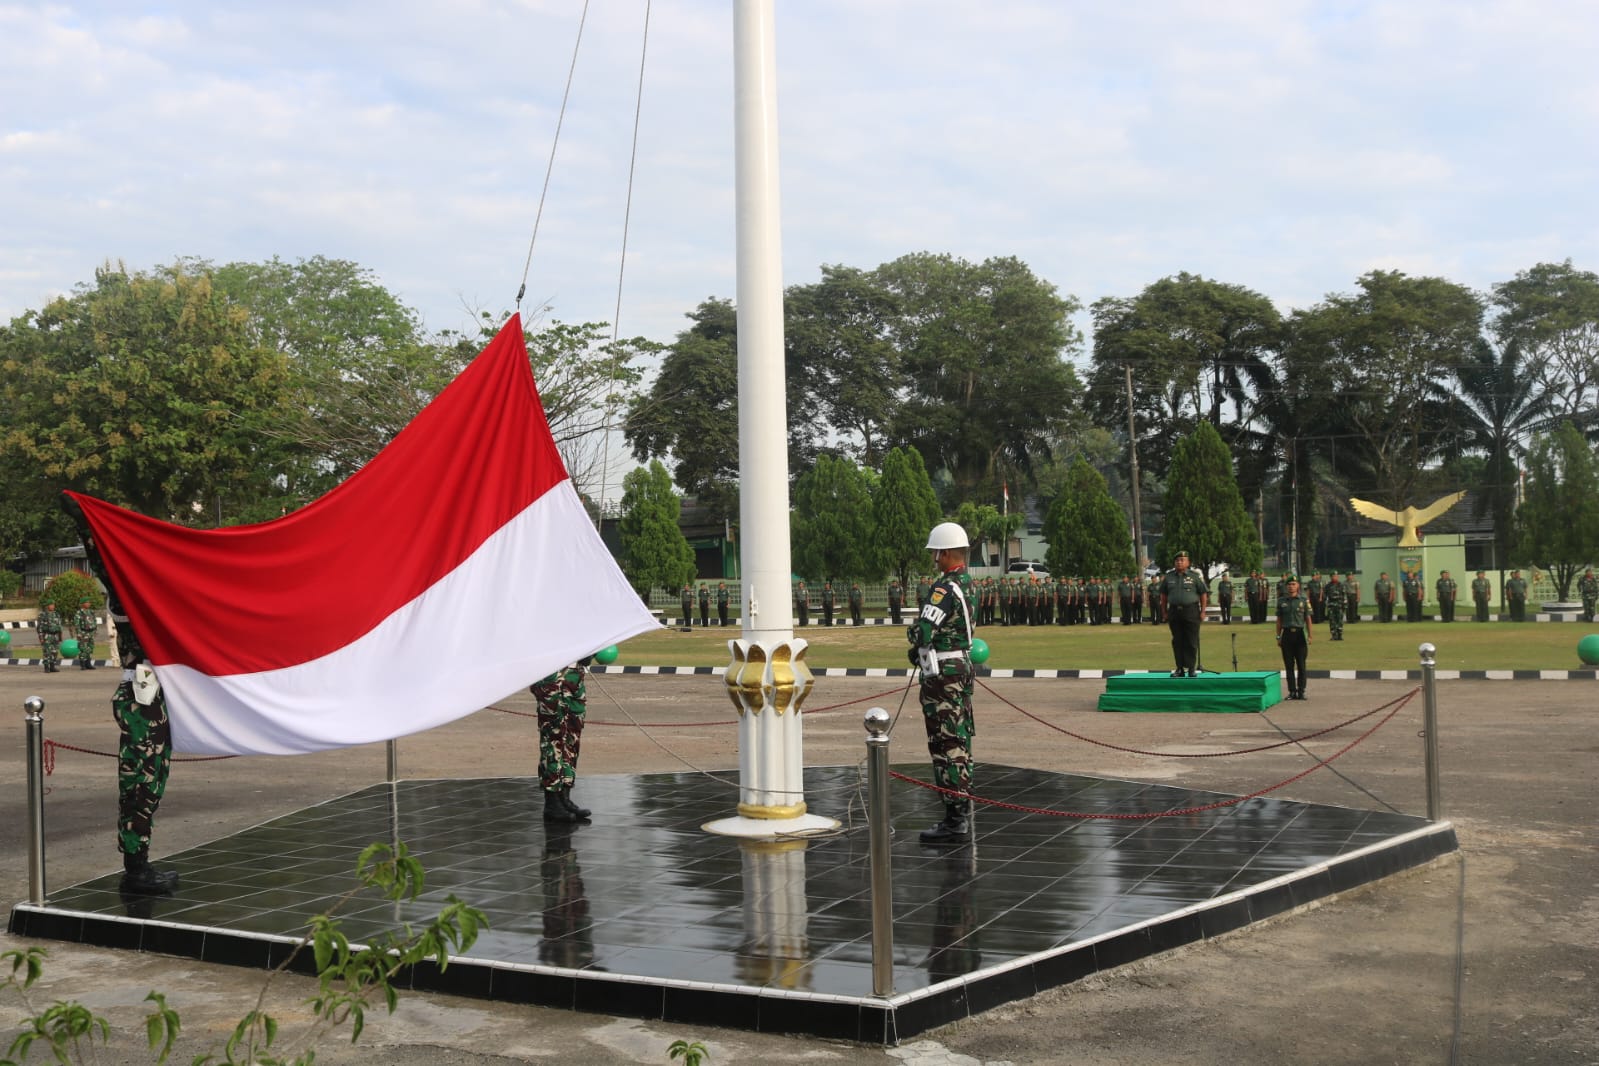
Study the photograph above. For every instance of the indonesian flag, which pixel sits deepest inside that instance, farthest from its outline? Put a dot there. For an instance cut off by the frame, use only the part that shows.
(454, 568)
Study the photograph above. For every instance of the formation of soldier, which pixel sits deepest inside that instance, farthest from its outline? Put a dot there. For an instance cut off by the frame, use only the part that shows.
(1037, 599)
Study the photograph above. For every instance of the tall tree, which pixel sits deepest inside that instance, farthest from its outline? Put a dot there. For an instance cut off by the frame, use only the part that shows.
(144, 389)
(655, 553)
(837, 335)
(691, 411)
(1497, 404)
(1205, 514)
(1194, 345)
(1372, 354)
(904, 510)
(1557, 525)
(1087, 531)
(984, 352)
(1552, 312)
(831, 523)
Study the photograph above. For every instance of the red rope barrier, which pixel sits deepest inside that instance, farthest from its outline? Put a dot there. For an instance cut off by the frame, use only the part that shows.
(1204, 754)
(50, 747)
(809, 712)
(1176, 812)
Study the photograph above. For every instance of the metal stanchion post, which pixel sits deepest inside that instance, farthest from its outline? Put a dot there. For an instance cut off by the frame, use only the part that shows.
(877, 723)
(393, 753)
(1429, 729)
(33, 714)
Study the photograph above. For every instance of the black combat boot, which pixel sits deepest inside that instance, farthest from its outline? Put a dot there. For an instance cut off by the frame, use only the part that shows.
(140, 878)
(556, 809)
(954, 829)
(566, 798)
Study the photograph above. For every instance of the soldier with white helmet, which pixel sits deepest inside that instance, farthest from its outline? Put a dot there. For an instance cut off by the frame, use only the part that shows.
(941, 643)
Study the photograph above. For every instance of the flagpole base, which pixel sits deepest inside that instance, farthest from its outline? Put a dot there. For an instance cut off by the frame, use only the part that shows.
(772, 828)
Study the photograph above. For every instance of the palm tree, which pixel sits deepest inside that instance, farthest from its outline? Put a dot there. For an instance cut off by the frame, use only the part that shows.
(1499, 403)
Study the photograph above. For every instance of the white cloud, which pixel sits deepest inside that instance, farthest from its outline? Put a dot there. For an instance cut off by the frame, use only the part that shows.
(1286, 145)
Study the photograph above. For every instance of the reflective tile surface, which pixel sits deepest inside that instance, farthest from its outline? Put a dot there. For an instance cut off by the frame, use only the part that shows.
(641, 912)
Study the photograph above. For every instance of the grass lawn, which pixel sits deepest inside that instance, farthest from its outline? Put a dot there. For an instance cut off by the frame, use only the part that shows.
(1366, 646)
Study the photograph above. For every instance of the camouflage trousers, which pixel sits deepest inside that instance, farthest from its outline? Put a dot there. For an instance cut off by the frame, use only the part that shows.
(947, 712)
(562, 702)
(144, 760)
(50, 644)
(1335, 622)
(86, 649)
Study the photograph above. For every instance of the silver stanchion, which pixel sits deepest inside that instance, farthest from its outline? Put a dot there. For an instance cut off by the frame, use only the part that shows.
(393, 753)
(877, 723)
(1429, 729)
(33, 714)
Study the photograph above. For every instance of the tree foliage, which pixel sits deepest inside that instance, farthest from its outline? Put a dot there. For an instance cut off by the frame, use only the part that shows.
(1557, 525)
(691, 411)
(1087, 531)
(1195, 347)
(1552, 312)
(831, 521)
(983, 350)
(655, 553)
(1375, 351)
(904, 510)
(1205, 514)
(144, 389)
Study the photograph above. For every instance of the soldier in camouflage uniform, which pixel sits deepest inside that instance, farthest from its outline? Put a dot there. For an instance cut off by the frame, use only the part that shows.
(686, 599)
(562, 701)
(1336, 598)
(83, 624)
(802, 604)
(1351, 598)
(941, 641)
(1588, 589)
(49, 626)
(705, 605)
(144, 748)
(896, 600)
(724, 599)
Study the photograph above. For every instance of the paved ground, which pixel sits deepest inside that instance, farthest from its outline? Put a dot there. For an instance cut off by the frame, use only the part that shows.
(1367, 977)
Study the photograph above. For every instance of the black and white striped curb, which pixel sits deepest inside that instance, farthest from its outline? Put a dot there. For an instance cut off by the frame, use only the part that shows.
(1585, 674)
(1589, 673)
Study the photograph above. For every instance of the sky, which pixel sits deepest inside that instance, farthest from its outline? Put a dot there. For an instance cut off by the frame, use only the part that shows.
(1285, 146)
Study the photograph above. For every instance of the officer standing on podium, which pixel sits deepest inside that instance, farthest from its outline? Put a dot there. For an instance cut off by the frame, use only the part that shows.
(1184, 595)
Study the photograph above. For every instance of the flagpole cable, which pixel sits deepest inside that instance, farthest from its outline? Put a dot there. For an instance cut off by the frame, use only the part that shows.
(549, 168)
(621, 271)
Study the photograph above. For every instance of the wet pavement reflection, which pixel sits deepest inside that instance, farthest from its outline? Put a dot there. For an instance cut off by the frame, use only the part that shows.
(644, 891)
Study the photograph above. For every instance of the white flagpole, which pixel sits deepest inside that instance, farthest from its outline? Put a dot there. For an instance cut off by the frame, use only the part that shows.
(767, 678)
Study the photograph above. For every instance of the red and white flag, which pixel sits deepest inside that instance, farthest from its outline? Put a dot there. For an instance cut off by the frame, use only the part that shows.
(454, 568)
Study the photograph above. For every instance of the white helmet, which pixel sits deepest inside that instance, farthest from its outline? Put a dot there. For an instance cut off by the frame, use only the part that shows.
(947, 535)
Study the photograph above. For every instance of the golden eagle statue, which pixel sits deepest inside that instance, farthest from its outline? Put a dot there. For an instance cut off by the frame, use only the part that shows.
(1410, 519)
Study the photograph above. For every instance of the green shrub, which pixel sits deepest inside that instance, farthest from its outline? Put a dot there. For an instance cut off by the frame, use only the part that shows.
(10, 583)
(68, 590)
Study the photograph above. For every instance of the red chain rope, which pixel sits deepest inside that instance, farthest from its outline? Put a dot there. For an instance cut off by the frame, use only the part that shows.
(1204, 754)
(1176, 812)
(809, 712)
(50, 747)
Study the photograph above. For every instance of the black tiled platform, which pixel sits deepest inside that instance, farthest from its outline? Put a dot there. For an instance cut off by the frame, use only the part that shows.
(642, 913)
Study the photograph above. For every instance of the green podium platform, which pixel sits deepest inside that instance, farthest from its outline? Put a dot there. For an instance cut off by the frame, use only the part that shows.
(1250, 691)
